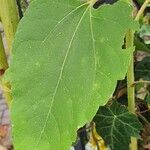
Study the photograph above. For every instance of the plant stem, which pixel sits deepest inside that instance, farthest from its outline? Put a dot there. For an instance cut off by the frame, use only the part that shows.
(9, 17)
(130, 73)
(3, 59)
(141, 81)
(130, 81)
(140, 12)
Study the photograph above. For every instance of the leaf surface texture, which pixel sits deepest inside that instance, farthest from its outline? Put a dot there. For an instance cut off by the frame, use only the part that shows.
(116, 125)
(67, 58)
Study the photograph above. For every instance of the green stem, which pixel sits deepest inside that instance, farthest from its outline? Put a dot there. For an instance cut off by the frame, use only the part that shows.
(9, 17)
(130, 74)
(140, 12)
(130, 81)
(3, 59)
(141, 81)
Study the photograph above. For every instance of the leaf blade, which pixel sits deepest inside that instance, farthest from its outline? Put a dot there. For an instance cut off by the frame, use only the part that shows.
(116, 125)
(58, 55)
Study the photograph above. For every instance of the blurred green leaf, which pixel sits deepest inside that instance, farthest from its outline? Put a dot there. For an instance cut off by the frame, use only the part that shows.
(142, 69)
(147, 98)
(140, 45)
(144, 33)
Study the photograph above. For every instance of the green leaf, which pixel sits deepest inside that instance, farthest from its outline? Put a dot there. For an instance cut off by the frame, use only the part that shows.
(116, 125)
(140, 45)
(142, 69)
(144, 33)
(67, 58)
(147, 99)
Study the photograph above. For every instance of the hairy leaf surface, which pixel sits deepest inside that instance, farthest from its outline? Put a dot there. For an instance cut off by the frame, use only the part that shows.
(116, 125)
(67, 58)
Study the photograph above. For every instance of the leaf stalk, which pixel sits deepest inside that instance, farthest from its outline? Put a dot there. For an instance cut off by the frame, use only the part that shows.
(130, 81)
(3, 58)
(10, 18)
(130, 73)
(140, 12)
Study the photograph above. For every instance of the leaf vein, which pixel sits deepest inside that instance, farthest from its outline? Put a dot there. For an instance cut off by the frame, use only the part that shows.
(60, 76)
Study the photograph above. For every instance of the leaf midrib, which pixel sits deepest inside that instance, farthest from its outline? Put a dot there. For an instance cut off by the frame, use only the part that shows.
(63, 64)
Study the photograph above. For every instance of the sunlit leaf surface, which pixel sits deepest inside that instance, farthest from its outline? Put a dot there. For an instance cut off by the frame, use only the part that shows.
(67, 58)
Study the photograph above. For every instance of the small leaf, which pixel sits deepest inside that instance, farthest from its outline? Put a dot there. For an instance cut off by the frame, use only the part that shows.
(147, 98)
(116, 124)
(144, 33)
(142, 69)
(140, 45)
